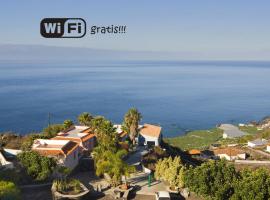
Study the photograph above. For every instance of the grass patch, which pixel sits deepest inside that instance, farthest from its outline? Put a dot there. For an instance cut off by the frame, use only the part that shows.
(249, 129)
(200, 139)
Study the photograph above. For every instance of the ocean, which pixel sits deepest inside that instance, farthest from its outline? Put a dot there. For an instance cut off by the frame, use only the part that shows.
(179, 96)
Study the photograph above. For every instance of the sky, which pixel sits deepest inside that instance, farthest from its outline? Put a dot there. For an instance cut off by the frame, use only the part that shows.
(214, 28)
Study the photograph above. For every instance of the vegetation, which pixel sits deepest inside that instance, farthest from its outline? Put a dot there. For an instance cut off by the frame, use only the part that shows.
(67, 186)
(131, 123)
(112, 164)
(108, 155)
(38, 167)
(52, 130)
(211, 179)
(9, 191)
(171, 171)
(200, 139)
(252, 185)
(149, 160)
(10, 175)
(107, 137)
(68, 123)
(249, 129)
(266, 133)
(10, 140)
(85, 119)
(220, 181)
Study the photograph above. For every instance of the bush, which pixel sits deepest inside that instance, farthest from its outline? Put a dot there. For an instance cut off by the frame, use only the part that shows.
(10, 140)
(67, 186)
(213, 179)
(9, 191)
(149, 160)
(252, 185)
(38, 167)
(52, 130)
(170, 170)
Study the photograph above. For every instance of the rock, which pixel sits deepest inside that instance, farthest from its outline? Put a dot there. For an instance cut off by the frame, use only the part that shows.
(185, 192)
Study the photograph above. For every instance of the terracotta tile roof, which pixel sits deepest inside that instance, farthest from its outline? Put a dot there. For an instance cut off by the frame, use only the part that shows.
(123, 134)
(66, 138)
(88, 137)
(150, 130)
(228, 151)
(194, 152)
(78, 140)
(69, 147)
(89, 130)
(49, 152)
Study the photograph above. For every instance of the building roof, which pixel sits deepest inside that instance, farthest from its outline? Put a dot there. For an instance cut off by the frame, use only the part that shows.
(54, 147)
(76, 134)
(194, 152)
(119, 130)
(259, 142)
(228, 151)
(231, 130)
(150, 130)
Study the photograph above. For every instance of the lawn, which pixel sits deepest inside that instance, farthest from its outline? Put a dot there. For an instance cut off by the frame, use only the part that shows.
(200, 139)
(249, 129)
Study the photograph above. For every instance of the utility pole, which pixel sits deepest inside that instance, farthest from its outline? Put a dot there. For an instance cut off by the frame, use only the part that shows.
(49, 122)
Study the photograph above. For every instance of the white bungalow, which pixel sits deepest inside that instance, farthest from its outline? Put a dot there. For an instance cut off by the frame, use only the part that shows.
(82, 135)
(66, 152)
(230, 153)
(257, 143)
(150, 135)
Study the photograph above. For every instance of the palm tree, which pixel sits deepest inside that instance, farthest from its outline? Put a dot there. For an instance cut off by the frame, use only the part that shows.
(131, 123)
(68, 123)
(85, 119)
(108, 162)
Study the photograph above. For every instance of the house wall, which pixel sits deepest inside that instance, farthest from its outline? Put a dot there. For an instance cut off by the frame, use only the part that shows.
(89, 144)
(151, 139)
(5, 163)
(250, 144)
(225, 135)
(268, 148)
(227, 157)
(72, 159)
(242, 156)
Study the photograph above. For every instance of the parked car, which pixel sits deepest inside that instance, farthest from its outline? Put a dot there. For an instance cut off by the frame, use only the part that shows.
(163, 195)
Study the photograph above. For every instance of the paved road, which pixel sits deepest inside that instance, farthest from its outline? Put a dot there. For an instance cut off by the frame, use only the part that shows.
(260, 152)
(135, 158)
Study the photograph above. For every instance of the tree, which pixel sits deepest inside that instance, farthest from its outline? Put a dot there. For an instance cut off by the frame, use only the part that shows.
(37, 166)
(68, 123)
(213, 179)
(9, 191)
(170, 170)
(131, 123)
(85, 119)
(252, 185)
(52, 130)
(112, 164)
(107, 137)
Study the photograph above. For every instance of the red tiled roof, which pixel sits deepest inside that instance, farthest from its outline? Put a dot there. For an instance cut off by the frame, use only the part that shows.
(228, 151)
(194, 152)
(150, 130)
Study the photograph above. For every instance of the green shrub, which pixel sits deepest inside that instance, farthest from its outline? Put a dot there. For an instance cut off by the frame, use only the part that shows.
(38, 167)
(9, 191)
(67, 186)
(213, 179)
